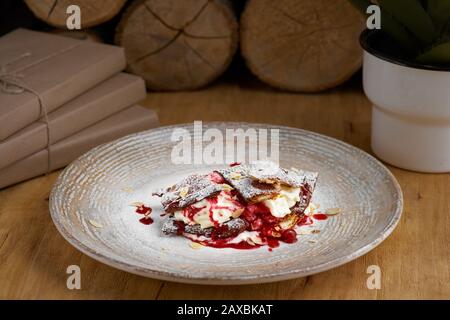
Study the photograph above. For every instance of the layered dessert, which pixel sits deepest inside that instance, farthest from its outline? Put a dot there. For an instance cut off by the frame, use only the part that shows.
(243, 206)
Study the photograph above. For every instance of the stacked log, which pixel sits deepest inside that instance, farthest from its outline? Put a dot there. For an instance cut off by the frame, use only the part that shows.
(301, 45)
(178, 45)
(297, 45)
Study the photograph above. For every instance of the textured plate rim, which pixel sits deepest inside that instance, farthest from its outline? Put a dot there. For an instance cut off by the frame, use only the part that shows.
(242, 280)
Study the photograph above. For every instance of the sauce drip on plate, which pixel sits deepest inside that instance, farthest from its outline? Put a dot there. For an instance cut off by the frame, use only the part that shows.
(146, 211)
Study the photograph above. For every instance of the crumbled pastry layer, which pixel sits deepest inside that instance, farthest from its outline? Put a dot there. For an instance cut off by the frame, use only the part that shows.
(269, 172)
(190, 190)
(228, 229)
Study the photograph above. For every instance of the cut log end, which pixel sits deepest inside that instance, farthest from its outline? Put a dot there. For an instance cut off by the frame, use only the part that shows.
(178, 45)
(54, 12)
(301, 45)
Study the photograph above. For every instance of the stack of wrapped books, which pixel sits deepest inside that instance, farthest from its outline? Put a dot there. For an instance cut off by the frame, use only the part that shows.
(60, 97)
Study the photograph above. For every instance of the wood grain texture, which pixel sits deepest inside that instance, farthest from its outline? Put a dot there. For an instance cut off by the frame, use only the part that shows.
(301, 45)
(178, 45)
(415, 260)
(93, 13)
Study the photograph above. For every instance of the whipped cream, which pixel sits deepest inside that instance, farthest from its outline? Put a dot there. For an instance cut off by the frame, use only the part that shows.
(281, 205)
(251, 237)
(210, 212)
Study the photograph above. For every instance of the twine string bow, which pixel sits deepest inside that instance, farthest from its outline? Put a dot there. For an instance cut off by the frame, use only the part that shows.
(12, 82)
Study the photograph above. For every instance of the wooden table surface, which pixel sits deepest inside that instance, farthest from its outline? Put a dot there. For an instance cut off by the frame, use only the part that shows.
(414, 260)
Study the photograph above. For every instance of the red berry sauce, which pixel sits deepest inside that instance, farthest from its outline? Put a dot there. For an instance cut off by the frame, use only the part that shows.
(143, 209)
(320, 216)
(259, 218)
(146, 211)
(146, 220)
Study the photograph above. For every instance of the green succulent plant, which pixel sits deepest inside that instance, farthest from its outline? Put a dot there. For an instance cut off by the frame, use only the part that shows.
(420, 27)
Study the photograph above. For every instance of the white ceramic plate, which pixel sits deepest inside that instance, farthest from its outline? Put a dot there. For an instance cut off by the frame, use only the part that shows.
(90, 206)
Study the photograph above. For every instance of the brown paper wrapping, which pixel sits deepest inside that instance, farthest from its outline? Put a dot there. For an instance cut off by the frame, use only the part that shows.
(133, 119)
(107, 98)
(56, 67)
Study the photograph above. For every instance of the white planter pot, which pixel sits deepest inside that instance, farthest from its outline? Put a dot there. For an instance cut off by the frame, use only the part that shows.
(411, 112)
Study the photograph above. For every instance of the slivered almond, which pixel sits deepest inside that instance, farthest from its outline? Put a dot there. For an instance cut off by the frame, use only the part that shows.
(304, 232)
(235, 175)
(137, 204)
(95, 224)
(226, 187)
(250, 242)
(258, 240)
(195, 245)
(184, 191)
(333, 211)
